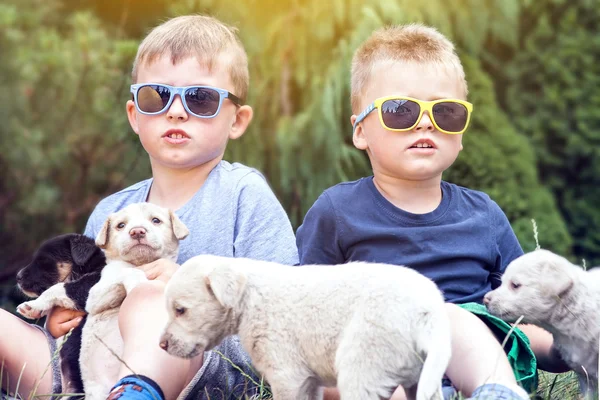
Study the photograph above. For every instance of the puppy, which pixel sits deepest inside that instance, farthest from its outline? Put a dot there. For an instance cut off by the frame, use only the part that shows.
(75, 260)
(136, 235)
(549, 291)
(366, 328)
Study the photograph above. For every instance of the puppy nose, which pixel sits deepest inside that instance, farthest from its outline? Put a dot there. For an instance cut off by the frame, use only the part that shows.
(164, 344)
(487, 298)
(137, 233)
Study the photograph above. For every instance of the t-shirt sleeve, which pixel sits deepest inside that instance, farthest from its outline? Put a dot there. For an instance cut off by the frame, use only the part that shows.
(92, 227)
(101, 212)
(262, 229)
(507, 245)
(318, 238)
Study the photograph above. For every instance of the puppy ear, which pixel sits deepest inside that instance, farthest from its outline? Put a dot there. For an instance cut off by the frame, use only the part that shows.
(82, 249)
(226, 285)
(179, 229)
(102, 238)
(559, 279)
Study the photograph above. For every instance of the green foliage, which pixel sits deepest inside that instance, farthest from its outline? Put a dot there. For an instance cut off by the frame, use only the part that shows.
(499, 161)
(555, 103)
(64, 141)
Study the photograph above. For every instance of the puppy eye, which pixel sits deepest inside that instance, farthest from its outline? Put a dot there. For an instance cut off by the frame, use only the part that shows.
(179, 311)
(121, 225)
(156, 221)
(515, 285)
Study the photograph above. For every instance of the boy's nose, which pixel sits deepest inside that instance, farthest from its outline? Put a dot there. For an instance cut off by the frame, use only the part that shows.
(176, 110)
(425, 123)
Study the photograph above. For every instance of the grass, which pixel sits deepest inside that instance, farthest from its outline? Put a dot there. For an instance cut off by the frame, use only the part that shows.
(551, 386)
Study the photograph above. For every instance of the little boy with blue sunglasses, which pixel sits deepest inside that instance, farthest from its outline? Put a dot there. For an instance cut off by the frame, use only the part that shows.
(190, 78)
(410, 111)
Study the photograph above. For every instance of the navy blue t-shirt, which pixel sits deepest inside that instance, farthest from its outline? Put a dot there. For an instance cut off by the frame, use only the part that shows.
(464, 245)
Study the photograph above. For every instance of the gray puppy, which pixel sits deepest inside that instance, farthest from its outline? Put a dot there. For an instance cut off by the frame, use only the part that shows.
(549, 291)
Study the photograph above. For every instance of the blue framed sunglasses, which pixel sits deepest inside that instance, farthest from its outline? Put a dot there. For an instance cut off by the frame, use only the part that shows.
(200, 101)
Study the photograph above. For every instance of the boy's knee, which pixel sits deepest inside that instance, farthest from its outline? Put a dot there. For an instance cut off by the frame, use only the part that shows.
(142, 304)
(462, 320)
(143, 293)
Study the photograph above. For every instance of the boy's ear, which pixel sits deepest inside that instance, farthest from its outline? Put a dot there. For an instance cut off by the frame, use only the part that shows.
(358, 137)
(243, 116)
(132, 116)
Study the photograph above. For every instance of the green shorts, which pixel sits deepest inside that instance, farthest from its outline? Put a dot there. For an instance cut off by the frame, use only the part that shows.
(517, 347)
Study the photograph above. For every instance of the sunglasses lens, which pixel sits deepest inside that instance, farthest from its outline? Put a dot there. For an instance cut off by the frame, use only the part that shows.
(450, 116)
(202, 101)
(400, 113)
(153, 98)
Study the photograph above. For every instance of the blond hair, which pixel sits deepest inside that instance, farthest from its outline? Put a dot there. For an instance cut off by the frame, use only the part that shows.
(205, 38)
(408, 43)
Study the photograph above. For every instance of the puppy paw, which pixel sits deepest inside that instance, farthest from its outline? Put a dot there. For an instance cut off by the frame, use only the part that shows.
(105, 298)
(133, 278)
(29, 310)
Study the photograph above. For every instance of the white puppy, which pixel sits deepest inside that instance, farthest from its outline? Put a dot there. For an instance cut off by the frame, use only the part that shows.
(136, 235)
(367, 328)
(549, 291)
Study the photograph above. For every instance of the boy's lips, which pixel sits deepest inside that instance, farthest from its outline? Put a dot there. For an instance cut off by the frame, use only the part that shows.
(423, 146)
(176, 136)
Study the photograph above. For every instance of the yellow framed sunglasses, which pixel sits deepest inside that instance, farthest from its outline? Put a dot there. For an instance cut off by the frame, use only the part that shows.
(401, 114)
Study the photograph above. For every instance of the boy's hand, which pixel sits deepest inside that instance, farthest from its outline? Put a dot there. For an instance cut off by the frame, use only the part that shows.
(161, 269)
(61, 320)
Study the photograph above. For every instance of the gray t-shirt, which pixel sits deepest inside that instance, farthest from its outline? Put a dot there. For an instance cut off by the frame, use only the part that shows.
(234, 214)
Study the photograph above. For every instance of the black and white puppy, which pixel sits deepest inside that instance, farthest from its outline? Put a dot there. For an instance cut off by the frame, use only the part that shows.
(134, 236)
(77, 261)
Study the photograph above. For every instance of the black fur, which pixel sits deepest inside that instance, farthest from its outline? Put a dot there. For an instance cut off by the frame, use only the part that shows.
(87, 261)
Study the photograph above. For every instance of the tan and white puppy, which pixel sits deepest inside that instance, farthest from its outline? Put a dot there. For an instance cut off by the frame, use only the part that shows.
(136, 235)
(551, 292)
(367, 328)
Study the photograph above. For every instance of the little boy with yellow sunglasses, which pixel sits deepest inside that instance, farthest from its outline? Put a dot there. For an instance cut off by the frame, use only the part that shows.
(410, 112)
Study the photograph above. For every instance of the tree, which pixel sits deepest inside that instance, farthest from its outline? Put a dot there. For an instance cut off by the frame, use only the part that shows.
(64, 141)
(553, 100)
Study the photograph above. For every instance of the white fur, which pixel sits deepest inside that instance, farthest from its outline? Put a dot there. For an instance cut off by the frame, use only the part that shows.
(367, 328)
(53, 296)
(549, 291)
(101, 340)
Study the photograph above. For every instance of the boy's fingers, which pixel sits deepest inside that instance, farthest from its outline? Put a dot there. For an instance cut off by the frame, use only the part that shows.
(61, 320)
(68, 315)
(152, 274)
(149, 266)
(153, 270)
(67, 326)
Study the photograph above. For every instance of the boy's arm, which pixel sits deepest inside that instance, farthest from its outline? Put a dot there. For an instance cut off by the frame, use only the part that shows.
(507, 246)
(546, 355)
(318, 239)
(262, 228)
